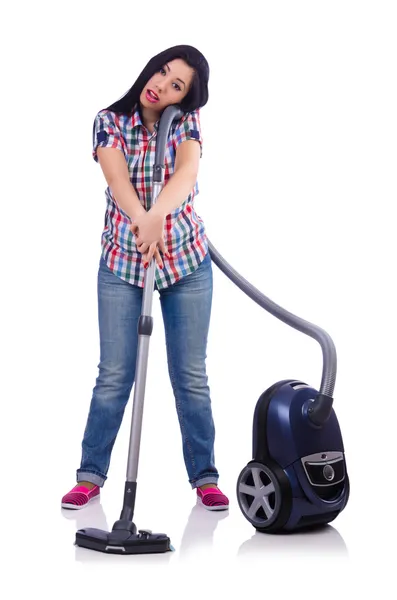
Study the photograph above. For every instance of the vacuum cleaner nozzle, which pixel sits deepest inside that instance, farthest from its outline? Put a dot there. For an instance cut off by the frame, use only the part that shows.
(123, 539)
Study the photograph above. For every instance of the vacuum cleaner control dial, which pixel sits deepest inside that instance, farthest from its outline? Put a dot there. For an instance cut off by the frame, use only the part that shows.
(328, 472)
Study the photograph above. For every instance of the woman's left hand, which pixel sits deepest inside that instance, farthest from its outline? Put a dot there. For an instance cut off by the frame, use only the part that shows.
(152, 252)
(149, 229)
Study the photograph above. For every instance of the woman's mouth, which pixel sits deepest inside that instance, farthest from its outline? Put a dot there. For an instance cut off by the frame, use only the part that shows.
(152, 97)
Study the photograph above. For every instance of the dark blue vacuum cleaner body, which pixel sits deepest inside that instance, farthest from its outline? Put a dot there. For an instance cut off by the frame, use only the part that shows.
(297, 477)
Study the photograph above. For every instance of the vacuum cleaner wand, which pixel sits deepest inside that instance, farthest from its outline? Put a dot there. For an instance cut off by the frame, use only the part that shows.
(320, 409)
(124, 539)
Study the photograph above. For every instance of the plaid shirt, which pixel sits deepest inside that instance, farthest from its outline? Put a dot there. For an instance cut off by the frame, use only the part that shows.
(185, 236)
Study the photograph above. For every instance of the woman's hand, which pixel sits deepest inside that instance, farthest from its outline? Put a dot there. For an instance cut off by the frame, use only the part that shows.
(148, 229)
(149, 253)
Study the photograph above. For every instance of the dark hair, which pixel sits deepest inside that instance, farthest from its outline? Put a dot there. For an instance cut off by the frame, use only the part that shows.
(197, 95)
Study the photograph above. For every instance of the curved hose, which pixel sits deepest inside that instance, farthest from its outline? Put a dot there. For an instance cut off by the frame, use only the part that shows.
(321, 336)
(320, 409)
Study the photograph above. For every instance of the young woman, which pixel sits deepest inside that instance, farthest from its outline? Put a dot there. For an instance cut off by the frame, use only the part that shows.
(172, 233)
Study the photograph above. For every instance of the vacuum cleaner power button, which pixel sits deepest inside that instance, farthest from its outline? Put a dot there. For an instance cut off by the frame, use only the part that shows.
(328, 472)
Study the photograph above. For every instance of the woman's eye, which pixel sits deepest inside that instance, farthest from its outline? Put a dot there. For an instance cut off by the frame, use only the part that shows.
(177, 87)
(162, 71)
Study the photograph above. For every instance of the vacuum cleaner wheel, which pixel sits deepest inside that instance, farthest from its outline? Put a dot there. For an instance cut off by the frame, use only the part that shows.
(259, 495)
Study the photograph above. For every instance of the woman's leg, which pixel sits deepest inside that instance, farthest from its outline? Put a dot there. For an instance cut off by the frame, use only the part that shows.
(119, 308)
(186, 308)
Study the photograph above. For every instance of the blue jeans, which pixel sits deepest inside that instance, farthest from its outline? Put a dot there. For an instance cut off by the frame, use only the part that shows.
(186, 310)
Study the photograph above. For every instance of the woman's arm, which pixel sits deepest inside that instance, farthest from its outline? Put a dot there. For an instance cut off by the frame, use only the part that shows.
(149, 228)
(181, 182)
(115, 170)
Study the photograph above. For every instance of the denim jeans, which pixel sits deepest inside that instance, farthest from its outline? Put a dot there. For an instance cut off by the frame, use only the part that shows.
(186, 310)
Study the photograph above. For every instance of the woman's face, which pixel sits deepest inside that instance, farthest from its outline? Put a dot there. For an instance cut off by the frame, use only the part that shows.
(168, 86)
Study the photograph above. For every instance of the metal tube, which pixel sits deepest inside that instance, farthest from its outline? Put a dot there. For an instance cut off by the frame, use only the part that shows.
(146, 320)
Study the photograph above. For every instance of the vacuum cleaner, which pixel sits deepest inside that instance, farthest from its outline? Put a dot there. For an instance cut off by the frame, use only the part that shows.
(297, 476)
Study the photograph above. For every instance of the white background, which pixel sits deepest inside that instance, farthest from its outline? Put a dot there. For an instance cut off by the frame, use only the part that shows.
(297, 182)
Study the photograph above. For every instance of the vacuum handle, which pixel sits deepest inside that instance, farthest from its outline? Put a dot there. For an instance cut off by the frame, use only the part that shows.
(171, 113)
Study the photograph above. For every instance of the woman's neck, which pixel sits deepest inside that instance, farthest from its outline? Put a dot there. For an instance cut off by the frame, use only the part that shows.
(149, 118)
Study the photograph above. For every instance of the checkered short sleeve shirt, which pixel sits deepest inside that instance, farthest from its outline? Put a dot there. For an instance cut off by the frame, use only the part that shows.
(185, 236)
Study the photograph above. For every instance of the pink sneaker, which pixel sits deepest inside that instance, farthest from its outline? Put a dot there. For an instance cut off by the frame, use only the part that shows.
(79, 497)
(212, 499)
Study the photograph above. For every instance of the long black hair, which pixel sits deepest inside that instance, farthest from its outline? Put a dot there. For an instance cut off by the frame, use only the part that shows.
(197, 95)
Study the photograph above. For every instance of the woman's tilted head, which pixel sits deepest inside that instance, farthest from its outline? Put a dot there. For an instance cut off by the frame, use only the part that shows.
(178, 75)
(169, 85)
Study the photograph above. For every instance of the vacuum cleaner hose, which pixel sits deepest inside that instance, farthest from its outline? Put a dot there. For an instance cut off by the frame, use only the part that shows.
(320, 409)
(322, 337)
